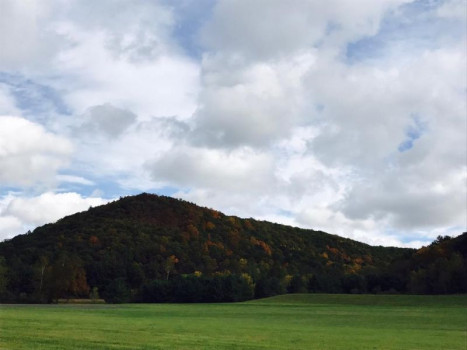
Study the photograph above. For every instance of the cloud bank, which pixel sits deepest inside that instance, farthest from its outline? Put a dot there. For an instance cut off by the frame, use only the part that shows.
(344, 116)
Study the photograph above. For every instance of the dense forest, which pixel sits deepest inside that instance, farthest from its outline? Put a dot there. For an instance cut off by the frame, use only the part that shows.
(150, 248)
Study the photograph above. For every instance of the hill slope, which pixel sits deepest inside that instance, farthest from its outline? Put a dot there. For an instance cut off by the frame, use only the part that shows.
(155, 248)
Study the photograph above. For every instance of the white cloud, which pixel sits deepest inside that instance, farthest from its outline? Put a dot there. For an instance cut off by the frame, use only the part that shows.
(374, 114)
(11, 226)
(19, 213)
(114, 74)
(49, 206)
(122, 159)
(127, 59)
(164, 86)
(74, 179)
(22, 29)
(29, 155)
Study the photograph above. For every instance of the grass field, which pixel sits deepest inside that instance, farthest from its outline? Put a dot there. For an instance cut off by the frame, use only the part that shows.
(311, 321)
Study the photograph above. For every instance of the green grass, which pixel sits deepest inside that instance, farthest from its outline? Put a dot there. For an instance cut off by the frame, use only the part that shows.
(312, 321)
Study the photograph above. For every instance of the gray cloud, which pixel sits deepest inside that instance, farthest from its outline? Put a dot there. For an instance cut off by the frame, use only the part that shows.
(260, 29)
(106, 120)
(241, 170)
(270, 29)
(244, 104)
(406, 204)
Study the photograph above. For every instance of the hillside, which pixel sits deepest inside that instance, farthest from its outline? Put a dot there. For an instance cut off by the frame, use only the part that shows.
(156, 248)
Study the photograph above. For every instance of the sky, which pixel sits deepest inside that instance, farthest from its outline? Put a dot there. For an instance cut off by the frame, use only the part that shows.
(347, 116)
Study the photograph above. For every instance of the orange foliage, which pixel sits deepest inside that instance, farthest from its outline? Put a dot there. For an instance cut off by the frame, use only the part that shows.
(173, 259)
(358, 261)
(215, 214)
(335, 251)
(219, 245)
(78, 285)
(94, 240)
(267, 249)
(345, 257)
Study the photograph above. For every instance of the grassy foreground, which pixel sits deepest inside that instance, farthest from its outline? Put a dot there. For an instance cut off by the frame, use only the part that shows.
(311, 321)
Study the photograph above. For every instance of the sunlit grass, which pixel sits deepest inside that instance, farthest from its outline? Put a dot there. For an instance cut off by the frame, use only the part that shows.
(285, 322)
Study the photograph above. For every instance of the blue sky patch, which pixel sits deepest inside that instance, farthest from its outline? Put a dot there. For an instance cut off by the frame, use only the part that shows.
(190, 17)
(33, 98)
(413, 133)
(412, 29)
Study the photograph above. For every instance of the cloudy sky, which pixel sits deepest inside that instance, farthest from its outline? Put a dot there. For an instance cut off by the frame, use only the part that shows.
(347, 116)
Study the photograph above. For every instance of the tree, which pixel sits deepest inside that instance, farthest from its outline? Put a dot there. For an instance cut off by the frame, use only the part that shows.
(268, 286)
(43, 263)
(117, 292)
(3, 276)
(297, 285)
(67, 278)
(94, 293)
(170, 265)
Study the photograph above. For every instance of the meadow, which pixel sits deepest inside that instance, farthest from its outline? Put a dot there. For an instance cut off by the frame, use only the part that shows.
(300, 321)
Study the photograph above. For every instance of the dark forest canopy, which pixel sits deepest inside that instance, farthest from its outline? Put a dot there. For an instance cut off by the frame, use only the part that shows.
(150, 248)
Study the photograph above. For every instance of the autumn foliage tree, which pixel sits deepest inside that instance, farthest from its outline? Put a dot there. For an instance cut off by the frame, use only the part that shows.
(66, 278)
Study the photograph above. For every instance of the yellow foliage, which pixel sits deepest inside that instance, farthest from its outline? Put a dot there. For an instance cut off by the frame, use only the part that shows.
(210, 225)
(358, 261)
(232, 220)
(248, 278)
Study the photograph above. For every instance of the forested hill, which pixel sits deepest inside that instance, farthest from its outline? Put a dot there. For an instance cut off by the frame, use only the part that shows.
(155, 248)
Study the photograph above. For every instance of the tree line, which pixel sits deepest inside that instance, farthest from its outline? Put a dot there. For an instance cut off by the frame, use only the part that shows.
(148, 248)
